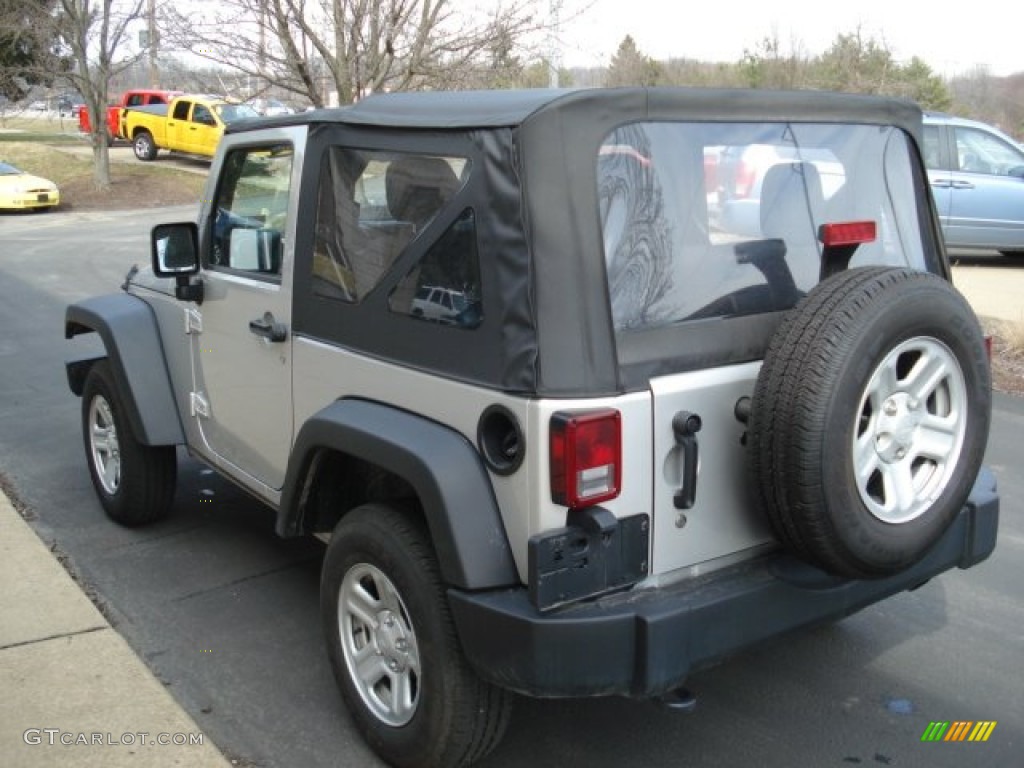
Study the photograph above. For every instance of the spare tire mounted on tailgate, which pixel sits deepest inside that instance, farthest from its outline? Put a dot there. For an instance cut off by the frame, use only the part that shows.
(869, 420)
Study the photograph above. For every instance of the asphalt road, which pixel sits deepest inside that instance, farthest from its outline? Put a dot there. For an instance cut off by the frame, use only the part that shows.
(226, 613)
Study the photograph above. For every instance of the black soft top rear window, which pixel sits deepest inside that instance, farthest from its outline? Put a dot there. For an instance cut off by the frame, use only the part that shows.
(721, 220)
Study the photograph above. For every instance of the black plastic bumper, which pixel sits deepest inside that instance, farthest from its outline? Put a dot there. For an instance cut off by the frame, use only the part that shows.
(646, 641)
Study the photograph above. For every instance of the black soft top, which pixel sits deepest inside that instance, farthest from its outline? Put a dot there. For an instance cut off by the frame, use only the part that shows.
(548, 329)
(491, 109)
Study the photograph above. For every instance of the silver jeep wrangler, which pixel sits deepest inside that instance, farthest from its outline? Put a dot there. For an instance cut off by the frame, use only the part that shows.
(684, 401)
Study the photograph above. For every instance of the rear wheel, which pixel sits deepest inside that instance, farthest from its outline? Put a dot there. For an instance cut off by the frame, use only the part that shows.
(134, 482)
(144, 146)
(393, 648)
(869, 420)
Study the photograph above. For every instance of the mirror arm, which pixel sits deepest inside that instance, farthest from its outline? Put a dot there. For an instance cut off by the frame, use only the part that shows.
(186, 290)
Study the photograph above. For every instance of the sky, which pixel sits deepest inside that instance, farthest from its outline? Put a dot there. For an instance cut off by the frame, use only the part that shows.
(949, 37)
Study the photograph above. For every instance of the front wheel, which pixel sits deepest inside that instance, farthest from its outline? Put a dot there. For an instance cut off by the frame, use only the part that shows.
(393, 648)
(144, 146)
(134, 482)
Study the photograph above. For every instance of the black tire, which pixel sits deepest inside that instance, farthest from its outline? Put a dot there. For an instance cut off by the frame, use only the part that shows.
(1012, 254)
(382, 559)
(869, 420)
(144, 146)
(135, 482)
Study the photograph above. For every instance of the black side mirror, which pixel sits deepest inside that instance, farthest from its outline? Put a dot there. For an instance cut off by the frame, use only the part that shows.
(175, 253)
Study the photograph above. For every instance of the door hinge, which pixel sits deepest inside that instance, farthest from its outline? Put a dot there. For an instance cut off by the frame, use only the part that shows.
(193, 321)
(198, 405)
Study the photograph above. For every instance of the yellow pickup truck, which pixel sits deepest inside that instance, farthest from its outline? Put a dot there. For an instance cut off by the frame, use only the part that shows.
(189, 124)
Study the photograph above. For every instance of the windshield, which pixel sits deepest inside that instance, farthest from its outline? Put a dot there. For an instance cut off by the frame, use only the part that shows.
(705, 220)
(8, 170)
(229, 113)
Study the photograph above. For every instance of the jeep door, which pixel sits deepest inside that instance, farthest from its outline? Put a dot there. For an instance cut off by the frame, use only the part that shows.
(242, 347)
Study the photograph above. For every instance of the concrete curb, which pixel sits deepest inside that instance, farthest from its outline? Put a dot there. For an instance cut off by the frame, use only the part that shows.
(75, 694)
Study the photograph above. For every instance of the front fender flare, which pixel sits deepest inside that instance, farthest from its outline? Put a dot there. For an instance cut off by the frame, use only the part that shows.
(440, 464)
(129, 331)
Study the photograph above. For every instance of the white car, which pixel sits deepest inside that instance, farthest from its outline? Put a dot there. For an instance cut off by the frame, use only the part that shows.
(271, 107)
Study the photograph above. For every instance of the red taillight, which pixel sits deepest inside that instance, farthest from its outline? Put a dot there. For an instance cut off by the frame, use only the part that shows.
(586, 457)
(848, 233)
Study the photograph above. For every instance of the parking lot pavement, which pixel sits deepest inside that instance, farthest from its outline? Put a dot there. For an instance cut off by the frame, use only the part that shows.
(994, 293)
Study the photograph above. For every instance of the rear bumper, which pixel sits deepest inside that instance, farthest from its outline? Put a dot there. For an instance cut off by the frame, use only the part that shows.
(646, 641)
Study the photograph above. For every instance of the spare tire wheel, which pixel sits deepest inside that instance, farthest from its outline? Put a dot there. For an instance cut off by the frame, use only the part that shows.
(869, 420)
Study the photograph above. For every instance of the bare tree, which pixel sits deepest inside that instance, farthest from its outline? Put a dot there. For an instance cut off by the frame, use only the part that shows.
(344, 49)
(94, 34)
(767, 65)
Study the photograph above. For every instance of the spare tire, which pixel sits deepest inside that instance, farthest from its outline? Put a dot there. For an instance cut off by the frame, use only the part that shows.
(869, 420)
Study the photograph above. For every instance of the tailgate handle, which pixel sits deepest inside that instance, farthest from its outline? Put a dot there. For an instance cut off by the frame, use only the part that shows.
(685, 426)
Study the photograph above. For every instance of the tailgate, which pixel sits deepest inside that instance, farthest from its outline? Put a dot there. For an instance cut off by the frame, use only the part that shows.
(722, 524)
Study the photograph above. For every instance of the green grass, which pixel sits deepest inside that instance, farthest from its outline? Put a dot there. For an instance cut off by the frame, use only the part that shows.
(49, 138)
(44, 128)
(44, 160)
(133, 184)
(45, 125)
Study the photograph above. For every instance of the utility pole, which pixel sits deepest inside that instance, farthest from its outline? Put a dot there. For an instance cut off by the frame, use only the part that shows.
(154, 44)
(554, 42)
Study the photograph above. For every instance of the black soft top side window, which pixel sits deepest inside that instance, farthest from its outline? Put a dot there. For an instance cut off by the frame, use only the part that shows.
(371, 205)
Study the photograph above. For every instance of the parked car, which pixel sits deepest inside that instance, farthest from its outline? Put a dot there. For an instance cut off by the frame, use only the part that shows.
(188, 124)
(441, 304)
(977, 178)
(70, 105)
(741, 170)
(138, 97)
(22, 191)
(646, 446)
(270, 107)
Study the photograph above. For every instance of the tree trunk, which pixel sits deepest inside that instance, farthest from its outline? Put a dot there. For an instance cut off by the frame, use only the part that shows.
(100, 157)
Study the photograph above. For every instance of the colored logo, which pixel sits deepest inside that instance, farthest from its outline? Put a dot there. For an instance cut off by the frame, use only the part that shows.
(960, 730)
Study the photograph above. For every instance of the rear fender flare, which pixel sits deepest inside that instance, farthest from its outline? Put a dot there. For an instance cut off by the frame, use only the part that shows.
(440, 464)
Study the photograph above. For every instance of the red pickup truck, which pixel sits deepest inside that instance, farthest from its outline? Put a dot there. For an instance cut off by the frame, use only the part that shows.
(139, 97)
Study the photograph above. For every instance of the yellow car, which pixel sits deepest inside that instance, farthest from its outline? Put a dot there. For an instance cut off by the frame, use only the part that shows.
(23, 191)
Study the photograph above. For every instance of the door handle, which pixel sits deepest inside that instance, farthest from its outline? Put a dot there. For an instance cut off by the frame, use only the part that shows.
(962, 185)
(268, 328)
